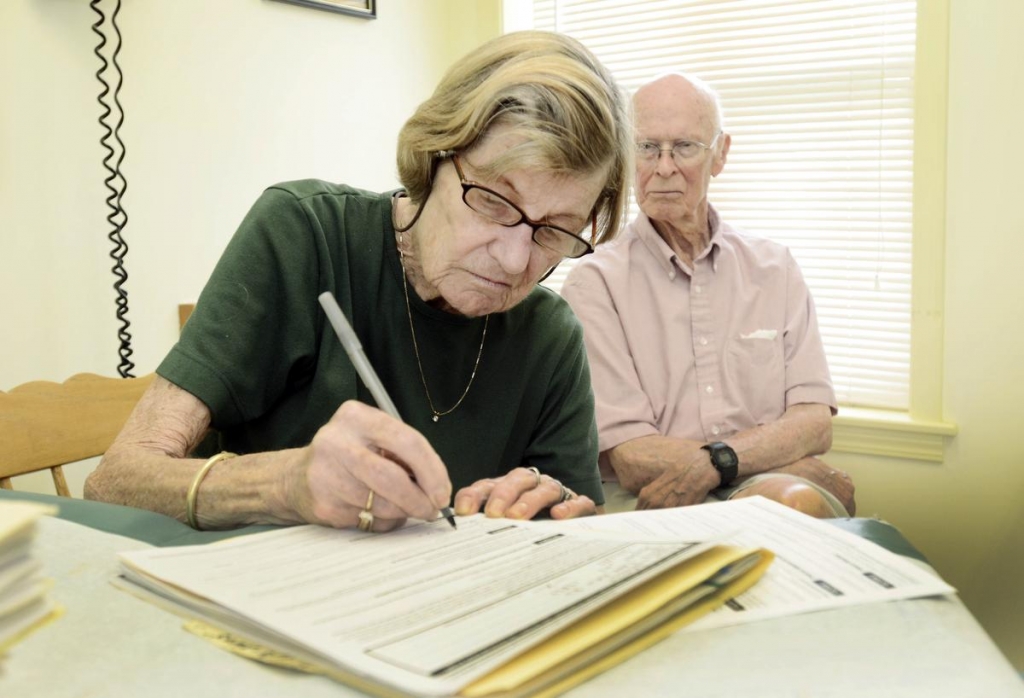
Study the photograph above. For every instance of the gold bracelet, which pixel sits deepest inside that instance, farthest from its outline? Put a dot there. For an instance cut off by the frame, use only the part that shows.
(193, 491)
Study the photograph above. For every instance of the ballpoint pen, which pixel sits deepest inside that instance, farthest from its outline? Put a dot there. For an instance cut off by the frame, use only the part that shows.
(364, 368)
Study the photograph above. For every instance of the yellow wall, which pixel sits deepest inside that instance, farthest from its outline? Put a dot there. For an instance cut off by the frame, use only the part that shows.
(967, 513)
(226, 97)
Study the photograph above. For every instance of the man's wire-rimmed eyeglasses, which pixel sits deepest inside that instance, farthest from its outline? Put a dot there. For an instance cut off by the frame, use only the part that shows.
(682, 151)
(495, 207)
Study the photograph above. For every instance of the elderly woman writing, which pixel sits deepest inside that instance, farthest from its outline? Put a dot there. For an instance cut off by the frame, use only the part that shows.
(518, 160)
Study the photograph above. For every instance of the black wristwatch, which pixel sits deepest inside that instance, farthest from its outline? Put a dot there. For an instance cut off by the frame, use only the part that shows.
(724, 460)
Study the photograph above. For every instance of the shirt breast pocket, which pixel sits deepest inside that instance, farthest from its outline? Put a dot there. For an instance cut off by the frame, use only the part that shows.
(755, 373)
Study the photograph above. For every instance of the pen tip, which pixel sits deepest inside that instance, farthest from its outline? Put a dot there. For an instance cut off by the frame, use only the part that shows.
(449, 515)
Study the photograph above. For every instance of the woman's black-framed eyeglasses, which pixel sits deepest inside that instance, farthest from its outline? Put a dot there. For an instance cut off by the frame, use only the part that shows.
(496, 208)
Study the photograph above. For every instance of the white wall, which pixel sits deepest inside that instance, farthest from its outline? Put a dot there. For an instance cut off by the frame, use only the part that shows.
(223, 98)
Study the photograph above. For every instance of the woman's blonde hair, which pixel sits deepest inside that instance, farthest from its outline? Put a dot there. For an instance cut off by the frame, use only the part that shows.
(547, 87)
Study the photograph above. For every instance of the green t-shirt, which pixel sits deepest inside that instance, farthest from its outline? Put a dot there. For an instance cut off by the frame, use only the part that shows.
(259, 352)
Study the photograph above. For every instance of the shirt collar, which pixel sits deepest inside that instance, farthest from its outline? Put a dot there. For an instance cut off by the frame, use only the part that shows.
(664, 254)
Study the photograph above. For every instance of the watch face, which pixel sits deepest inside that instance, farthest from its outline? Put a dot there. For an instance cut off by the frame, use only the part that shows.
(722, 454)
(724, 460)
(726, 457)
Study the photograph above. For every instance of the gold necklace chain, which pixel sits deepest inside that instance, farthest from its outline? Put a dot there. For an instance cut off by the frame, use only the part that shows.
(416, 349)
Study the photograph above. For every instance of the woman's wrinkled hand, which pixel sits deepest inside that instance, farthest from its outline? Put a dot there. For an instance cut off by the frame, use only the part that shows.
(362, 449)
(522, 494)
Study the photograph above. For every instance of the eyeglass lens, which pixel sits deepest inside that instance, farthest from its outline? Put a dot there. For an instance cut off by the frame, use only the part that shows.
(504, 212)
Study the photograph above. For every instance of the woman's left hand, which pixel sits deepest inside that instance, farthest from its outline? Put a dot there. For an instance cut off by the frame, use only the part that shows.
(522, 494)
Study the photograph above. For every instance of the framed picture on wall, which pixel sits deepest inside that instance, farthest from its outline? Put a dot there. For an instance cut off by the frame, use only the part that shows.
(359, 8)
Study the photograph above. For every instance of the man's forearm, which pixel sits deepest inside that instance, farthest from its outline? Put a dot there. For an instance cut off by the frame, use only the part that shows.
(640, 461)
(804, 430)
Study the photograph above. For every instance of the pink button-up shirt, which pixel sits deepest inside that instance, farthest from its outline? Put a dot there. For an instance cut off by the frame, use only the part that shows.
(697, 353)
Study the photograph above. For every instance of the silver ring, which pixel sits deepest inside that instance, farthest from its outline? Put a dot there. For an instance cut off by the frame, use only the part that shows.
(366, 515)
(566, 494)
(536, 474)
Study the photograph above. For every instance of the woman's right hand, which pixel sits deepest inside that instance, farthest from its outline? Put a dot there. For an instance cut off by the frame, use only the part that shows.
(359, 450)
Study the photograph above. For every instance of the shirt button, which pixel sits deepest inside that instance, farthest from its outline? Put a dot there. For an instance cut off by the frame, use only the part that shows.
(709, 390)
(696, 289)
(703, 341)
(715, 430)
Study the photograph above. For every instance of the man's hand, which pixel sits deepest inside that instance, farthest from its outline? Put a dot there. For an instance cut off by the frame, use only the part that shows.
(688, 482)
(522, 494)
(821, 474)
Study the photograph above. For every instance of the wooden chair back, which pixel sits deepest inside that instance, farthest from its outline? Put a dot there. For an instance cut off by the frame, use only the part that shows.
(46, 425)
(184, 312)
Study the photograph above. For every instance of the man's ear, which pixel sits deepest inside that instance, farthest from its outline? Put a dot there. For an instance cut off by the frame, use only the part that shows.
(722, 155)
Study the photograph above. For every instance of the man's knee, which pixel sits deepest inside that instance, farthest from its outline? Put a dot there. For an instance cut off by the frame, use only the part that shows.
(835, 481)
(792, 493)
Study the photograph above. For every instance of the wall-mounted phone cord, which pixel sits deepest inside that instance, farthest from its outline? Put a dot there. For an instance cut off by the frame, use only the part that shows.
(115, 182)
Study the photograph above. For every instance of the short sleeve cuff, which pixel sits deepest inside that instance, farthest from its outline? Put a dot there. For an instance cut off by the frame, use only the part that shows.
(610, 438)
(812, 396)
(204, 383)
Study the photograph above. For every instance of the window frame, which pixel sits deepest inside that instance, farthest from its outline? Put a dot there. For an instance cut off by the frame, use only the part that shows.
(921, 432)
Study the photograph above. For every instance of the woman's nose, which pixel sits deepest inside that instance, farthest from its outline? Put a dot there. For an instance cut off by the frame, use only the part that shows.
(513, 248)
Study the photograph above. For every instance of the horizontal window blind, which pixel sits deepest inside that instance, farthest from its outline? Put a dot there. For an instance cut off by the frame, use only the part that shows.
(818, 98)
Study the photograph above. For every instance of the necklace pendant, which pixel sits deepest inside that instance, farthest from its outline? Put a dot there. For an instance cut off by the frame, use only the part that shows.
(436, 417)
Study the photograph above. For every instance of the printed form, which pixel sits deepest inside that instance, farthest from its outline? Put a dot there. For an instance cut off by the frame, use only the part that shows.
(425, 608)
(817, 565)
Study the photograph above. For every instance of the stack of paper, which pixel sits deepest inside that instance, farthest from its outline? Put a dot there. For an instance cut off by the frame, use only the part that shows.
(505, 609)
(496, 608)
(24, 600)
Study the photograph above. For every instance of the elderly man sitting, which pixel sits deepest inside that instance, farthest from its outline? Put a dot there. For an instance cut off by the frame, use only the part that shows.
(707, 363)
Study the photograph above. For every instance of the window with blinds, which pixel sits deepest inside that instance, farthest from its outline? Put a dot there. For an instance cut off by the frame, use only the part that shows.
(818, 98)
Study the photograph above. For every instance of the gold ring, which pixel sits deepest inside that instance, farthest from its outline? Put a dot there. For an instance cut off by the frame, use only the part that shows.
(366, 515)
(536, 474)
(566, 494)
